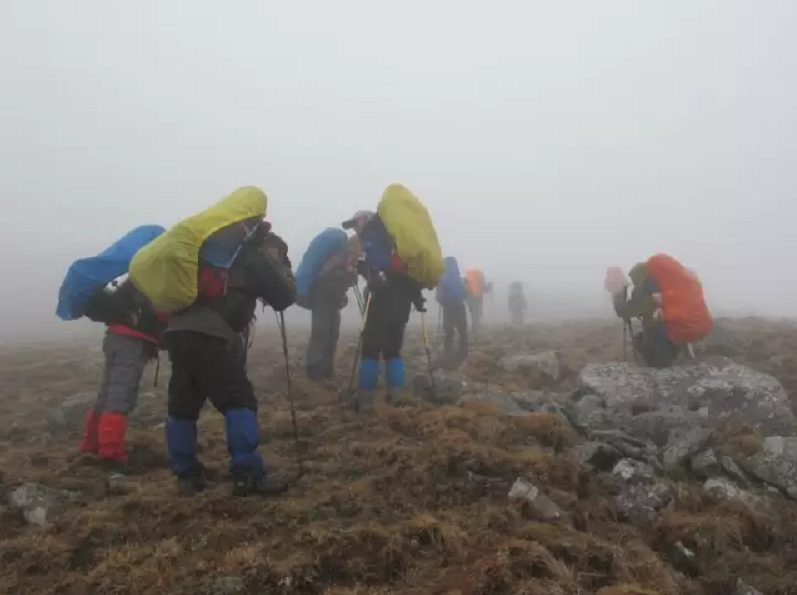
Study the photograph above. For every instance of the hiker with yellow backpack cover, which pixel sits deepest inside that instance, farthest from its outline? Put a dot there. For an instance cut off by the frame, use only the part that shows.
(402, 257)
(209, 271)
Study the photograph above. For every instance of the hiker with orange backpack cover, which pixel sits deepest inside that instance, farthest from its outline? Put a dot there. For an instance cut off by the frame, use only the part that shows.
(669, 300)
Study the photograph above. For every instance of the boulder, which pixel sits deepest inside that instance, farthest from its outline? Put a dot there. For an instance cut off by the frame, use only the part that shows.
(600, 455)
(706, 464)
(545, 364)
(718, 388)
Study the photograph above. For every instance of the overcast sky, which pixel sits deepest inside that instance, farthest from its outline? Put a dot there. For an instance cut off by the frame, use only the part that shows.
(548, 139)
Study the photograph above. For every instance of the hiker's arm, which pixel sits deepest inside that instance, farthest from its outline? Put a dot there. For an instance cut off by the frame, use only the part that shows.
(638, 306)
(273, 278)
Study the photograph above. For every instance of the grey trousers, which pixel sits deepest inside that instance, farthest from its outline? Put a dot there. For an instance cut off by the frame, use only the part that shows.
(324, 333)
(455, 319)
(125, 358)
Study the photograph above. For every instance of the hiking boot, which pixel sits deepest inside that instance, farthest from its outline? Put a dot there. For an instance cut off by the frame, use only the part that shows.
(196, 480)
(363, 400)
(251, 485)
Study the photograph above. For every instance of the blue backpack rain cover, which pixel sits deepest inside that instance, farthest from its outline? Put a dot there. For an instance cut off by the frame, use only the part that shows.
(452, 287)
(87, 275)
(325, 244)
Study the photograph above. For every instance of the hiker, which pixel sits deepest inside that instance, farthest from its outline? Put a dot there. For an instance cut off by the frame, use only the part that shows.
(240, 261)
(451, 294)
(517, 303)
(477, 287)
(323, 279)
(95, 288)
(401, 225)
(668, 323)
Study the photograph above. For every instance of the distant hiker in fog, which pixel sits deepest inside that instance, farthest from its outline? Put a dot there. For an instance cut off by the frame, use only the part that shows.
(451, 294)
(668, 299)
(324, 276)
(517, 303)
(477, 287)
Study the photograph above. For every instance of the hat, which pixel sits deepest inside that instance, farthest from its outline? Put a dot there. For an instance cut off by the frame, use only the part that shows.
(352, 223)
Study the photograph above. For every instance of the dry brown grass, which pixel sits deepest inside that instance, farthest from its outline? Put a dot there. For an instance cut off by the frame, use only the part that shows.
(408, 499)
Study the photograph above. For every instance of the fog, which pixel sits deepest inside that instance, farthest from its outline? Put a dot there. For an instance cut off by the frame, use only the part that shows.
(549, 140)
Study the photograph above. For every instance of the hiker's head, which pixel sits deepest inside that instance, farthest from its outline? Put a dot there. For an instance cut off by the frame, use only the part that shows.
(355, 247)
(638, 274)
(358, 221)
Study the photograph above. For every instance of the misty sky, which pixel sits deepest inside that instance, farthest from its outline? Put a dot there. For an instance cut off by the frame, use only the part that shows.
(548, 139)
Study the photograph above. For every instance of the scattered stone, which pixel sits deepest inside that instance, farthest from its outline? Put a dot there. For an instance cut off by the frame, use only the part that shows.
(600, 455)
(39, 504)
(706, 464)
(742, 588)
(630, 471)
(585, 408)
(641, 495)
(545, 363)
(547, 508)
(776, 464)
(118, 483)
(684, 444)
(69, 415)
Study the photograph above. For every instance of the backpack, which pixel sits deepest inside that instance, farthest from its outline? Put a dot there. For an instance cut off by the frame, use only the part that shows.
(326, 244)
(475, 280)
(685, 313)
(86, 289)
(408, 223)
(167, 271)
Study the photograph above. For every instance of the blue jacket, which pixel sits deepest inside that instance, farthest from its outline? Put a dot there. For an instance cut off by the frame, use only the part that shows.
(451, 289)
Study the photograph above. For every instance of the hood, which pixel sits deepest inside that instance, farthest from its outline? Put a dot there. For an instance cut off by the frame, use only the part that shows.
(638, 274)
(452, 267)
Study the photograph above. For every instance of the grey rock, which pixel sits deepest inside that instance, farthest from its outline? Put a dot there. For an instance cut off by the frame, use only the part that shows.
(546, 363)
(600, 455)
(69, 415)
(724, 489)
(38, 504)
(118, 483)
(726, 389)
(523, 489)
(733, 470)
(658, 426)
(640, 504)
(706, 464)
(776, 464)
(629, 471)
(684, 444)
(628, 445)
(586, 407)
(742, 588)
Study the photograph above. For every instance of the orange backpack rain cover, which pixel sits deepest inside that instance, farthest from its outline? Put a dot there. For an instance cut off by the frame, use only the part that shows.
(686, 316)
(474, 280)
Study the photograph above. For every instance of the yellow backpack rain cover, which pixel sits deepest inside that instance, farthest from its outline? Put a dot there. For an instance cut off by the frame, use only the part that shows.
(408, 223)
(165, 270)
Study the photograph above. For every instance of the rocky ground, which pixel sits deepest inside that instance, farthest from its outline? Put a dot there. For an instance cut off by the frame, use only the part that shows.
(543, 466)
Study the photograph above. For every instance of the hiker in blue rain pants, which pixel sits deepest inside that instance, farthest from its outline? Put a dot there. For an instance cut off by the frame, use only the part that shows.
(208, 363)
(392, 295)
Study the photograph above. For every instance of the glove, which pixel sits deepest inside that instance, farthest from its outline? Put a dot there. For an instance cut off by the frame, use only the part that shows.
(277, 246)
(344, 302)
(362, 269)
(419, 302)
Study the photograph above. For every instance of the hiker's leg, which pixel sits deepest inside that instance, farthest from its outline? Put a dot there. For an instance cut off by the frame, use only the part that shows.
(373, 339)
(129, 359)
(400, 308)
(462, 331)
(185, 402)
(316, 348)
(449, 323)
(334, 335)
(658, 350)
(89, 441)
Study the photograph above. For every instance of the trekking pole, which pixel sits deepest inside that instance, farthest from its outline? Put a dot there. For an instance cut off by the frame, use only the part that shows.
(359, 344)
(157, 370)
(432, 386)
(439, 325)
(625, 343)
(360, 302)
(299, 458)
